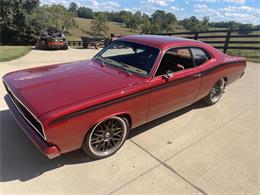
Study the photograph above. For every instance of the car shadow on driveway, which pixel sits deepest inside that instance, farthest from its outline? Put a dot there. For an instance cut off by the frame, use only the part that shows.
(20, 159)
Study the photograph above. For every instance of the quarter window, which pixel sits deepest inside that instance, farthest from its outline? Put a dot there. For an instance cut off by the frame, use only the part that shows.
(199, 56)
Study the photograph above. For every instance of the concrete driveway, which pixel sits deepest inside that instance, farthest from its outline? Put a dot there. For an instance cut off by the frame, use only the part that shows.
(197, 150)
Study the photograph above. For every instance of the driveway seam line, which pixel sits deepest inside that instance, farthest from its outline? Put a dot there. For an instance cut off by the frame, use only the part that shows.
(134, 179)
(171, 169)
(211, 132)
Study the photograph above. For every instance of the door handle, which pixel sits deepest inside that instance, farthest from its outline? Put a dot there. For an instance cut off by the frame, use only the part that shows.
(197, 75)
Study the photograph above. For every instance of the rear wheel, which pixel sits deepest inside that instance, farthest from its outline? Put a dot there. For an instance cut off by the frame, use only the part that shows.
(97, 45)
(65, 46)
(215, 93)
(85, 45)
(106, 137)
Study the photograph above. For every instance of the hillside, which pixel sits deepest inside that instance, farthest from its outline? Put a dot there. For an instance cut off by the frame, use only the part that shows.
(84, 27)
(115, 28)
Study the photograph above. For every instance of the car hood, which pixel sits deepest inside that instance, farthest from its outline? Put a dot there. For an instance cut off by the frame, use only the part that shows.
(47, 88)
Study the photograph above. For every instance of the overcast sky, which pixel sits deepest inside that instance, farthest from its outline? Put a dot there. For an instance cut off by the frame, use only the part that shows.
(245, 11)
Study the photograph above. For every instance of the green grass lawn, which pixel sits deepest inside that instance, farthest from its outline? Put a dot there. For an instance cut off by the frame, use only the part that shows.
(8, 53)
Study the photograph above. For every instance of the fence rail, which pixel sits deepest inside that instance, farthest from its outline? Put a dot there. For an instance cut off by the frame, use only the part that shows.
(75, 43)
(245, 40)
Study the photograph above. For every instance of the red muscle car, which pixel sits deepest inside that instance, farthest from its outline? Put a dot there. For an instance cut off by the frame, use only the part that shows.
(92, 104)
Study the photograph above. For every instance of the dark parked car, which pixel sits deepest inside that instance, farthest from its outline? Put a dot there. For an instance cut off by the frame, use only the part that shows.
(52, 39)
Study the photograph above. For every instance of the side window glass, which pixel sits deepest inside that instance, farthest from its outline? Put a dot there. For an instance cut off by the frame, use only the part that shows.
(200, 57)
(175, 60)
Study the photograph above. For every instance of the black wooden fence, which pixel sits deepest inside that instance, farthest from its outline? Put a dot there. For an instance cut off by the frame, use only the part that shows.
(224, 39)
(220, 39)
(75, 43)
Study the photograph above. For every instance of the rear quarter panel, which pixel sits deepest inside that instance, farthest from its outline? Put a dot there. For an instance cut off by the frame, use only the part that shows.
(231, 68)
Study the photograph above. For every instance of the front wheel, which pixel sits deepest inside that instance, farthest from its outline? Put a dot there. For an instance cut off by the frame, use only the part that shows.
(215, 93)
(106, 138)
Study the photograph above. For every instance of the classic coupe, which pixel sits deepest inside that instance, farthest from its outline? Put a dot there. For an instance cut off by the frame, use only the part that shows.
(92, 104)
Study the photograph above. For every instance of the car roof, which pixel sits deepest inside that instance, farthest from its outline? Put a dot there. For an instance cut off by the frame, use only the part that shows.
(159, 41)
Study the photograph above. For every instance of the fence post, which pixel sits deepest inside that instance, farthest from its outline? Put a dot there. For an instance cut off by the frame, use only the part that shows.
(196, 35)
(227, 40)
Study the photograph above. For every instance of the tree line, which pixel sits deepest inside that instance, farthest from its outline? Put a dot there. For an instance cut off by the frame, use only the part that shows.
(21, 21)
(158, 22)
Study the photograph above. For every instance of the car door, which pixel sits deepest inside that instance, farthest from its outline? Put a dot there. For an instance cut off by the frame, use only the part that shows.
(177, 91)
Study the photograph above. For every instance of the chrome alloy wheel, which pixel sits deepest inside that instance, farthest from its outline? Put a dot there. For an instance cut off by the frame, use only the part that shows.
(217, 90)
(107, 136)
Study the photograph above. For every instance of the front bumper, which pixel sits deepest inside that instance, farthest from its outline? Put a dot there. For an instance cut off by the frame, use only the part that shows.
(51, 151)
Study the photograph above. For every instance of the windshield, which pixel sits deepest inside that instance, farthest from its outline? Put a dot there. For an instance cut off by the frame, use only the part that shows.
(132, 57)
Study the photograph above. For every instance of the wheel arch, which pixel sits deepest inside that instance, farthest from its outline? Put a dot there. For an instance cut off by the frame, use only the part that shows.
(127, 115)
(221, 77)
(225, 79)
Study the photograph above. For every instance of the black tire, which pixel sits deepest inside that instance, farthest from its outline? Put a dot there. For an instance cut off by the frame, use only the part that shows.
(102, 142)
(85, 45)
(215, 93)
(97, 45)
(40, 46)
(65, 46)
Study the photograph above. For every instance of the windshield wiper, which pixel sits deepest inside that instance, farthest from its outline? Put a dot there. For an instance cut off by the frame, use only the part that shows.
(101, 58)
(132, 69)
(125, 67)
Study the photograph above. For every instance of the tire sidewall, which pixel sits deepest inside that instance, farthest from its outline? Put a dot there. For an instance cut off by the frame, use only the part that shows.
(85, 145)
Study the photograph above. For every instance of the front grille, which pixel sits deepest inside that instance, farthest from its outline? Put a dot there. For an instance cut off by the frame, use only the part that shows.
(32, 121)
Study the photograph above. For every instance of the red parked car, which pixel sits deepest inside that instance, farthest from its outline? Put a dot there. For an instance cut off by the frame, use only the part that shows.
(92, 104)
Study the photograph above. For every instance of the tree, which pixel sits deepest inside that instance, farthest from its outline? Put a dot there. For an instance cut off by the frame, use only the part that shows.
(245, 28)
(55, 15)
(23, 21)
(84, 12)
(169, 23)
(204, 24)
(163, 22)
(125, 16)
(73, 8)
(134, 21)
(228, 24)
(16, 21)
(146, 26)
(194, 25)
(99, 25)
(157, 19)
